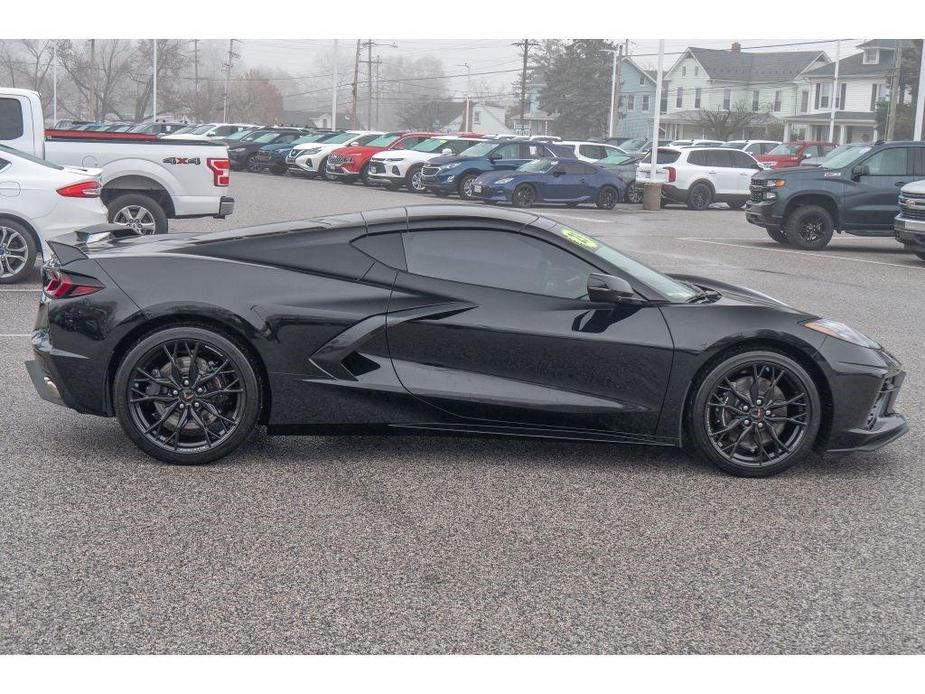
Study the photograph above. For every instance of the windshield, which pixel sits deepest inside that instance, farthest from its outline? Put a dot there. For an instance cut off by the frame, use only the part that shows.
(635, 143)
(306, 138)
(267, 136)
(240, 135)
(785, 149)
(382, 141)
(538, 165)
(671, 289)
(201, 129)
(842, 156)
(183, 131)
(29, 157)
(735, 144)
(615, 160)
(479, 150)
(432, 144)
(340, 138)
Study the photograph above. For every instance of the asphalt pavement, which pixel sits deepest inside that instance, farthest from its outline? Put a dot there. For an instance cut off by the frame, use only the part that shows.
(457, 545)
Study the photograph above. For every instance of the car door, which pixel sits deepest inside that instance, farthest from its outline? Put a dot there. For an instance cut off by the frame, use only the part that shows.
(872, 199)
(494, 327)
(508, 156)
(564, 182)
(744, 167)
(703, 165)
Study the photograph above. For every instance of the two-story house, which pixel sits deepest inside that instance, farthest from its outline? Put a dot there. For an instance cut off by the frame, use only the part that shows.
(705, 79)
(863, 81)
(637, 100)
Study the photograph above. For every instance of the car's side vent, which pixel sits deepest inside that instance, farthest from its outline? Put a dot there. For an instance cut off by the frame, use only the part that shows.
(358, 365)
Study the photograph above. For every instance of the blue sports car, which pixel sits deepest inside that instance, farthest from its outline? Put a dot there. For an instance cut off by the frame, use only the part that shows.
(555, 180)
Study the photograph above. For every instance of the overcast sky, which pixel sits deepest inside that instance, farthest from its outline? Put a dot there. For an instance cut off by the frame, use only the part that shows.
(299, 56)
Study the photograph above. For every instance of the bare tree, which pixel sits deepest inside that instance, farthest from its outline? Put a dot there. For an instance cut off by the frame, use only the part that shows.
(723, 124)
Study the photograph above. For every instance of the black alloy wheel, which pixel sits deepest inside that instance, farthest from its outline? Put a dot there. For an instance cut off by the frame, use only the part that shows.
(607, 198)
(252, 165)
(778, 235)
(756, 414)
(187, 395)
(465, 187)
(700, 196)
(810, 228)
(524, 195)
(633, 194)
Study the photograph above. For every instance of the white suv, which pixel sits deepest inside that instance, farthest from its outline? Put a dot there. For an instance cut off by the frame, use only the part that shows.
(753, 147)
(700, 176)
(586, 151)
(311, 158)
(402, 167)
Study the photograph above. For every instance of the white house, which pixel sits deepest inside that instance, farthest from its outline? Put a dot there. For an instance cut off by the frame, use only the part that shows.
(710, 79)
(863, 81)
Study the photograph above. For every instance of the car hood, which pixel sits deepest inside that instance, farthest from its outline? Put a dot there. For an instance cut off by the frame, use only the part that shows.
(445, 159)
(357, 150)
(275, 146)
(798, 172)
(492, 176)
(732, 292)
(405, 154)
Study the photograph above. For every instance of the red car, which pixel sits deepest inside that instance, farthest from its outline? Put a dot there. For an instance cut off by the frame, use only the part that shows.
(348, 164)
(793, 153)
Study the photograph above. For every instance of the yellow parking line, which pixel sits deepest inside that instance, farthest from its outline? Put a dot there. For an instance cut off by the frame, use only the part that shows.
(811, 254)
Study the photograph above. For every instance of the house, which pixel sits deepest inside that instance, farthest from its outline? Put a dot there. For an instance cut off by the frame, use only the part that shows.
(316, 119)
(536, 121)
(711, 79)
(486, 118)
(636, 107)
(863, 81)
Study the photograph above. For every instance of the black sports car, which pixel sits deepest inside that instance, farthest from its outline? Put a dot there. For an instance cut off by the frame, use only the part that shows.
(444, 319)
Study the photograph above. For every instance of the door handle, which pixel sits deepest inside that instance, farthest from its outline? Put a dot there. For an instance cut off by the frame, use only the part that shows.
(711, 172)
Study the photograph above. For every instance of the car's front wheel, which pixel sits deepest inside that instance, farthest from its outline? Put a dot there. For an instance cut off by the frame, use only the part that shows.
(252, 165)
(810, 227)
(755, 414)
(524, 195)
(633, 194)
(413, 180)
(607, 198)
(778, 235)
(921, 256)
(187, 395)
(17, 251)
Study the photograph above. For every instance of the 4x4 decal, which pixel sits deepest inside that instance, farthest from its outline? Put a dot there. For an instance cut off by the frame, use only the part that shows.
(182, 160)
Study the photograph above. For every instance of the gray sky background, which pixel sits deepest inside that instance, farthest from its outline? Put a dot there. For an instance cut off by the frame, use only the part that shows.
(300, 56)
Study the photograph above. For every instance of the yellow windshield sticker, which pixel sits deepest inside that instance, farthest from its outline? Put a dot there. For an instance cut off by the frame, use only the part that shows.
(579, 239)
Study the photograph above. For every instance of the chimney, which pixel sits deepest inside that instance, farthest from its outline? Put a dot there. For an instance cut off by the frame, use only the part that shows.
(736, 47)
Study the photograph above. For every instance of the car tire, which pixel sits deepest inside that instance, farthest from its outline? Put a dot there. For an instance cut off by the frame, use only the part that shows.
(607, 198)
(158, 421)
(364, 174)
(700, 196)
(17, 251)
(736, 205)
(809, 228)
(728, 419)
(524, 195)
(141, 212)
(921, 256)
(413, 180)
(778, 235)
(323, 170)
(464, 187)
(633, 195)
(251, 164)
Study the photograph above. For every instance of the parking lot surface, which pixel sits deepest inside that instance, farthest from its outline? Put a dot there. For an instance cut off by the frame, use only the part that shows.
(446, 545)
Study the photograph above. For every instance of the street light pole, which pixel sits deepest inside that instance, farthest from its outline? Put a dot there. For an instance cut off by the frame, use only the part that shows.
(834, 92)
(658, 105)
(918, 133)
(154, 85)
(54, 80)
(334, 91)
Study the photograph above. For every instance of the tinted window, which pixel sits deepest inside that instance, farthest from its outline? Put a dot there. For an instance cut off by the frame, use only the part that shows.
(889, 162)
(664, 157)
(741, 160)
(720, 157)
(592, 151)
(575, 167)
(10, 119)
(696, 158)
(531, 151)
(499, 259)
(508, 151)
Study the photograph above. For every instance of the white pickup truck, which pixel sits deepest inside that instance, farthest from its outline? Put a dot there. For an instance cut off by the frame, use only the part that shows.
(146, 180)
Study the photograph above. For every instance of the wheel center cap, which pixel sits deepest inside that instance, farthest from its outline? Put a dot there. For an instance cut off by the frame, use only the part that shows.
(188, 395)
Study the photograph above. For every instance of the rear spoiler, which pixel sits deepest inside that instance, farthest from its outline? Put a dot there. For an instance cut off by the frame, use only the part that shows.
(66, 246)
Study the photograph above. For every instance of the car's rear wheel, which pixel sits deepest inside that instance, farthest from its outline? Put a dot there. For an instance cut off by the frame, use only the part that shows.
(778, 235)
(700, 196)
(464, 188)
(810, 227)
(17, 251)
(633, 195)
(524, 195)
(607, 198)
(364, 174)
(413, 180)
(323, 169)
(755, 414)
(140, 212)
(187, 395)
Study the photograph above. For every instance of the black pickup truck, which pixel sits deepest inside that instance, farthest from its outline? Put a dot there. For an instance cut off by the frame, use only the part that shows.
(854, 190)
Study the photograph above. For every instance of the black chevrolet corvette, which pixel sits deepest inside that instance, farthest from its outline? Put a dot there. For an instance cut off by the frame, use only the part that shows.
(445, 319)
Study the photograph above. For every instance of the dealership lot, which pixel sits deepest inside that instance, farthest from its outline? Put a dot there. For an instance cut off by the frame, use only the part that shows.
(435, 545)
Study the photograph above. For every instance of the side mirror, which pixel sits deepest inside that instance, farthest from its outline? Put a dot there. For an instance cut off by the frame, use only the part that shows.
(558, 172)
(446, 150)
(860, 170)
(494, 157)
(609, 288)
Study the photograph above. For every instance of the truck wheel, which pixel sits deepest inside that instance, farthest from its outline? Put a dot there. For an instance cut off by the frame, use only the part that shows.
(778, 235)
(809, 228)
(17, 251)
(144, 214)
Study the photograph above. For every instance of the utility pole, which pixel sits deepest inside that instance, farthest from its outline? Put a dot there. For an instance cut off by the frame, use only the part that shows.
(54, 80)
(154, 84)
(918, 133)
(196, 78)
(334, 90)
(468, 108)
(92, 99)
(834, 92)
(526, 44)
(356, 77)
(369, 82)
(231, 56)
(378, 87)
(658, 107)
(894, 89)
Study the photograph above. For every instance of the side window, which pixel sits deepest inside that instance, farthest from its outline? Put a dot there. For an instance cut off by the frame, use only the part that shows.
(386, 248)
(720, 157)
(741, 160)
(287, 138)
(410, 142)
(10, 119)
(533, 151)
(3, 164)
(498, 259)
(698, 158)
(457, 145)
(592, 151)
(889, 162)
(573, 167)
(508, 151)
(224, 130)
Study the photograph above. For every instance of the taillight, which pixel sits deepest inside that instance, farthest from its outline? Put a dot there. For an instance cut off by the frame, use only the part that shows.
(672, 173)
(60, 285)
(220, 171)
(84, 189)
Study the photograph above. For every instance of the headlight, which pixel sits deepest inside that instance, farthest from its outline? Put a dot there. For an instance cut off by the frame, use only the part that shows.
(447, 167)
(346, 160)
(840, 331)
(313, 150)
(502, 181)
(395, 159)
(775, 183)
